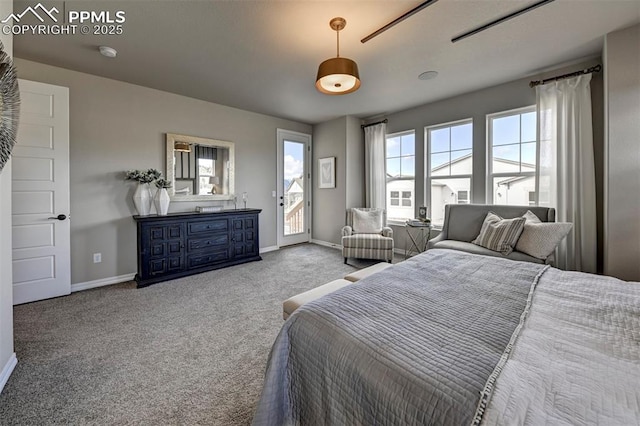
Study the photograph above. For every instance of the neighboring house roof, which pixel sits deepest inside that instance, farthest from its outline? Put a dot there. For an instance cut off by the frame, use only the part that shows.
(464, 157)
(299, 182)
(508, 181)
(393, 178)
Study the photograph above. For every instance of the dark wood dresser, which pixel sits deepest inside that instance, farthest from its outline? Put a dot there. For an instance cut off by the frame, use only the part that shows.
(181, 244)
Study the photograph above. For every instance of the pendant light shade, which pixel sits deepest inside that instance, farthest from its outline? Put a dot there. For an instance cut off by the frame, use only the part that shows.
(338, 76)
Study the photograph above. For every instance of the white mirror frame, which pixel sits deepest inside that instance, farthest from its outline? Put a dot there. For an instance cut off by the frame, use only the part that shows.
(171, 140)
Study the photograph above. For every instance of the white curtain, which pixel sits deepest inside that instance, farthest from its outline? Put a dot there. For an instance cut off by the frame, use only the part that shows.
(375, 166)
(566, 177)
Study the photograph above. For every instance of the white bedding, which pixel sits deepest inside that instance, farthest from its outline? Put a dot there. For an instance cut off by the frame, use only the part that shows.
(577, 358)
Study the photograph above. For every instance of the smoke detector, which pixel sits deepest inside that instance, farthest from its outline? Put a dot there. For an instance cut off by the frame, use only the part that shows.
(428, 75)
(107, 51)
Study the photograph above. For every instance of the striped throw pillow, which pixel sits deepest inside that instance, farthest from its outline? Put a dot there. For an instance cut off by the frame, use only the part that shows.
(500, 234)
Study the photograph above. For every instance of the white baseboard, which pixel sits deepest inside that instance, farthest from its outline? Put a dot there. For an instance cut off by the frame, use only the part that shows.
(326, 244)
(268, 249)
(128, 277)
(102, 282)
(7, 370)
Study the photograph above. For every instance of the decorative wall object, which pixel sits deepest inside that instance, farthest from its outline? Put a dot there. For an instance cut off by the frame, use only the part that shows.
(204, 173)
(9, 106)
(327, 171)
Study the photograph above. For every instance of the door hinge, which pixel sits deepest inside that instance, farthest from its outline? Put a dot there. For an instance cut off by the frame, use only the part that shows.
(309, 203)
(308, 230)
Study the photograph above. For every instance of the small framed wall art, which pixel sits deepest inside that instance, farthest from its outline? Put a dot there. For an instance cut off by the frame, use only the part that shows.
(327, 172)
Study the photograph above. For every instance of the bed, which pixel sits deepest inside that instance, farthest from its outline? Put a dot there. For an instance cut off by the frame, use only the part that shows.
(451, 338)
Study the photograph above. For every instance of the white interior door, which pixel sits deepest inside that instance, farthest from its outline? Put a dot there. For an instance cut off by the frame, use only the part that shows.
(294, 187)
(40, 194)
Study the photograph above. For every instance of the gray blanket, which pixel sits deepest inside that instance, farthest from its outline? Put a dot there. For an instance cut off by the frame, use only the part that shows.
(414, 344)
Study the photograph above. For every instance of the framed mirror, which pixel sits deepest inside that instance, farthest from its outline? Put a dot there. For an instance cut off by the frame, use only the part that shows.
(200, 169)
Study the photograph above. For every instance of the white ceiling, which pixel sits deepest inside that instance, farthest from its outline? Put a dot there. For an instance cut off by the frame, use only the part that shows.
(263, 56)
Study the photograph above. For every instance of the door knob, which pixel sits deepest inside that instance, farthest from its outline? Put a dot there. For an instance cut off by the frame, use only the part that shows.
(281, 204)
(59, 217)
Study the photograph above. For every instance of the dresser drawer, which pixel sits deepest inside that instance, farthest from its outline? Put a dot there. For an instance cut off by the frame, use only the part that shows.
(216, 225)
(208, 242)
(198, 260)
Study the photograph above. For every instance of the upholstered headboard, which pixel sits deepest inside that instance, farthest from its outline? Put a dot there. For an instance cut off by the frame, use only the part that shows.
(462, 222)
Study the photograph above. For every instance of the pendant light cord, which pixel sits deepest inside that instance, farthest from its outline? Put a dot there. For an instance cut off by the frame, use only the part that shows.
(338, 43)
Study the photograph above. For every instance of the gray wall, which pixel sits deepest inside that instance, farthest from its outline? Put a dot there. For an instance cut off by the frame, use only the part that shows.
(341, 138)
(622, 237)
(115, 126)
(329, 204)
(354, 163)
(6, 279)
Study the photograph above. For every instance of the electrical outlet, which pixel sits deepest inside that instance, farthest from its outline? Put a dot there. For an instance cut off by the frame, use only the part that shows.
(97, 257)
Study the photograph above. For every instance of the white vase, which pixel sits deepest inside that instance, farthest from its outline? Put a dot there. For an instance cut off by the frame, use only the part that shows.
(142, 199)
(162, 201)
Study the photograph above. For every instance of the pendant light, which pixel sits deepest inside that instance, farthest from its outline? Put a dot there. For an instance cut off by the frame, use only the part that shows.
(338, 76)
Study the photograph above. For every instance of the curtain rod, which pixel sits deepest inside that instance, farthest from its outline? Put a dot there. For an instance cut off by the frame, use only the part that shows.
(362, 126)
(593, 69)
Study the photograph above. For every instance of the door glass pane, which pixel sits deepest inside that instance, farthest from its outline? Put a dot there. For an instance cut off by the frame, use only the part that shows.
(294, 187)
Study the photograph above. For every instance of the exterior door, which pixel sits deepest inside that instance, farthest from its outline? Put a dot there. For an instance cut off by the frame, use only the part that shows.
(40, 194)
(294, 187)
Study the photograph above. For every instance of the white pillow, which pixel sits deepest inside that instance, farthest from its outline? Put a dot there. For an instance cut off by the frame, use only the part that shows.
(540, 239)
(367, 222)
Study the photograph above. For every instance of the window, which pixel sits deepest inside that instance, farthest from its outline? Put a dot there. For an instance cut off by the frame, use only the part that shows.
(206, 168)
(406, 198)
(395, 198)
(401, 161)
(512, 157)
(449, 166)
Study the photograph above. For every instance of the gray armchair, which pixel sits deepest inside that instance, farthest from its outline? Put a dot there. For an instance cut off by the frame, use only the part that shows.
(367, 246)
(462, 223)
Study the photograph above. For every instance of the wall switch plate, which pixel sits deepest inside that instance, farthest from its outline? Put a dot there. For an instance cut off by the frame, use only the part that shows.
(273, 194)
(97, 257)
